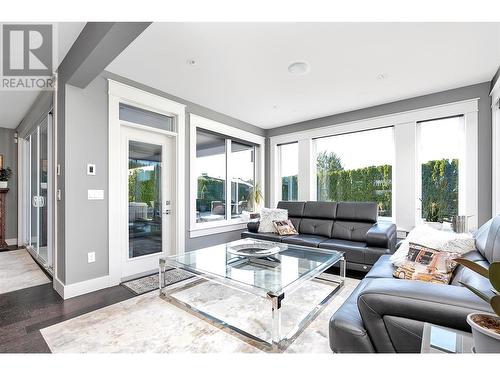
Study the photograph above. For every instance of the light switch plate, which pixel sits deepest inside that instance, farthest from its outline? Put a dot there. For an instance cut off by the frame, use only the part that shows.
(91, 257)
(90, 169)
(93, 195)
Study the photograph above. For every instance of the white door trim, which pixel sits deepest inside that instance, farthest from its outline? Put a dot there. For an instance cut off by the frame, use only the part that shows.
(121, 93)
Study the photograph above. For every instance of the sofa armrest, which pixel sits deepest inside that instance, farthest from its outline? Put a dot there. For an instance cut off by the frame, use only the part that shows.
(382, 235)
(408, 302)
(253, 226)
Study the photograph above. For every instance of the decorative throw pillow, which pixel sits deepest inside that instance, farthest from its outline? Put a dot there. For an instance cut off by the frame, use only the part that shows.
(284, 227)
(268, 215)
(440, 240)
(426, 264)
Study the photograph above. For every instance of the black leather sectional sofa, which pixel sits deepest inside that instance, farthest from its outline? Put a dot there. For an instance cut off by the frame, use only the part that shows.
(350, 227)
(387, 315)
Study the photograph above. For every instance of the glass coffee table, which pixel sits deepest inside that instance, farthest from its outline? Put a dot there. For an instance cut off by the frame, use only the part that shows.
(272, 271)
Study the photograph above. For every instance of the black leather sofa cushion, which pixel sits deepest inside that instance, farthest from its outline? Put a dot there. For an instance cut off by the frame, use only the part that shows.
(357, 211)
(320, 210)
(295, 209)
(263, 236)
(317, 227)
(350, 230)
(355, 252)
(304, 240)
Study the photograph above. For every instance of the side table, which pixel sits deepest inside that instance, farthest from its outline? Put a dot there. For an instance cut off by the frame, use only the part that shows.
(437, 339)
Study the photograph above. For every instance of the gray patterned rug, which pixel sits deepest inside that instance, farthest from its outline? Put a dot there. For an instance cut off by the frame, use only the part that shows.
(148, 283)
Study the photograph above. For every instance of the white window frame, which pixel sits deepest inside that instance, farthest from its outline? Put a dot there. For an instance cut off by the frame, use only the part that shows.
(121, 93)
(220, 226)
(278, 169)
(405, 163)
(495, 137)
(314, 168)
(462, 174)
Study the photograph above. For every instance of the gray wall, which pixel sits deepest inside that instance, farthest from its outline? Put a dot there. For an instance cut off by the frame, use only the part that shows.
(9, 151)
(481, 91)
(86, 141)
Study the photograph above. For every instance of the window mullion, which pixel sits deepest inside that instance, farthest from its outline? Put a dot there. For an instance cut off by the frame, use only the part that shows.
(229, 174)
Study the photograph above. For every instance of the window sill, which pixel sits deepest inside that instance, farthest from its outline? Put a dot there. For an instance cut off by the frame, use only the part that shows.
(202, 230)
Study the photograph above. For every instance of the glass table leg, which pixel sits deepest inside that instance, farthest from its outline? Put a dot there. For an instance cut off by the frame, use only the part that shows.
(276, 320)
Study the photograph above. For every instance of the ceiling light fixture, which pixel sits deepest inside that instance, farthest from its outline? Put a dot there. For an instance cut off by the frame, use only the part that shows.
(298, 68)
(381, 76)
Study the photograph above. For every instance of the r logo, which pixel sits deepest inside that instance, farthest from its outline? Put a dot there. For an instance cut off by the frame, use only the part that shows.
(27, 50)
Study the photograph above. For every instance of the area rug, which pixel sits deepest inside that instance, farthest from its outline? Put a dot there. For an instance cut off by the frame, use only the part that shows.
(150, 324)
(18, 270)
(149, 283)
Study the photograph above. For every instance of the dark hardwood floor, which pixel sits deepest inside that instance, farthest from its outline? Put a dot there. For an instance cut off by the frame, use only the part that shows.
(24, 312)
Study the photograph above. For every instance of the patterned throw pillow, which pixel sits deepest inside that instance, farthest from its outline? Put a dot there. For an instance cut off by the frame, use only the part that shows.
(284, 227)
(426, 264)
(268, 215)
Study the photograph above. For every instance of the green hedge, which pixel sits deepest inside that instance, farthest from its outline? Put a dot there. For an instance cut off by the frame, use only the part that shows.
(370, 184)
(374, 183)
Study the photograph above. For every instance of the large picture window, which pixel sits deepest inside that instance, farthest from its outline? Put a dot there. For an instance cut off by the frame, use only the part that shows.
(289, 171)
(441, 146)
(223, 163)
(356, 167)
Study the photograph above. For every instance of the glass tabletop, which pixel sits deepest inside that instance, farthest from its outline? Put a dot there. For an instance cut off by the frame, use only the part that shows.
(284, 269)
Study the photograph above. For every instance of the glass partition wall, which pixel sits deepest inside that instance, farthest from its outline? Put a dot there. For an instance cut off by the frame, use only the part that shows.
(37, 196)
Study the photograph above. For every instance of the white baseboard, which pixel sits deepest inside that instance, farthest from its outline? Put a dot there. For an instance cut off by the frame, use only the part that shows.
(83, 287)
(11, 241)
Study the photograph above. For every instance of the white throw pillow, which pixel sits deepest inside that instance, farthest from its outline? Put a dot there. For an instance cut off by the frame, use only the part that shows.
(268, 215)
(449, 241)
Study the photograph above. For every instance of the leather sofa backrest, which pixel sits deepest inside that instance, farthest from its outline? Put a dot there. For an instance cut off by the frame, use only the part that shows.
(465, 275)
(295, 211)
(488, 250)
(357, 211)
(318, 218)
(488, 243)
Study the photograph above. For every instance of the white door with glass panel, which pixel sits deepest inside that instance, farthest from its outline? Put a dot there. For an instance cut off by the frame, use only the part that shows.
(147, 172)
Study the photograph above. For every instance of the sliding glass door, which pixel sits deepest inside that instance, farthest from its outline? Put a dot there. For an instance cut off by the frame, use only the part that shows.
(38, 154)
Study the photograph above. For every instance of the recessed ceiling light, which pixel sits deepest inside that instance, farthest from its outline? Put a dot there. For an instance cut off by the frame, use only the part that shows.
(381, 76)
(298, 68)
(191, 62)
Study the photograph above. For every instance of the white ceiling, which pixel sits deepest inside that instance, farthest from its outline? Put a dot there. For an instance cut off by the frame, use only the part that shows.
(15, 104)
(241, 68)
